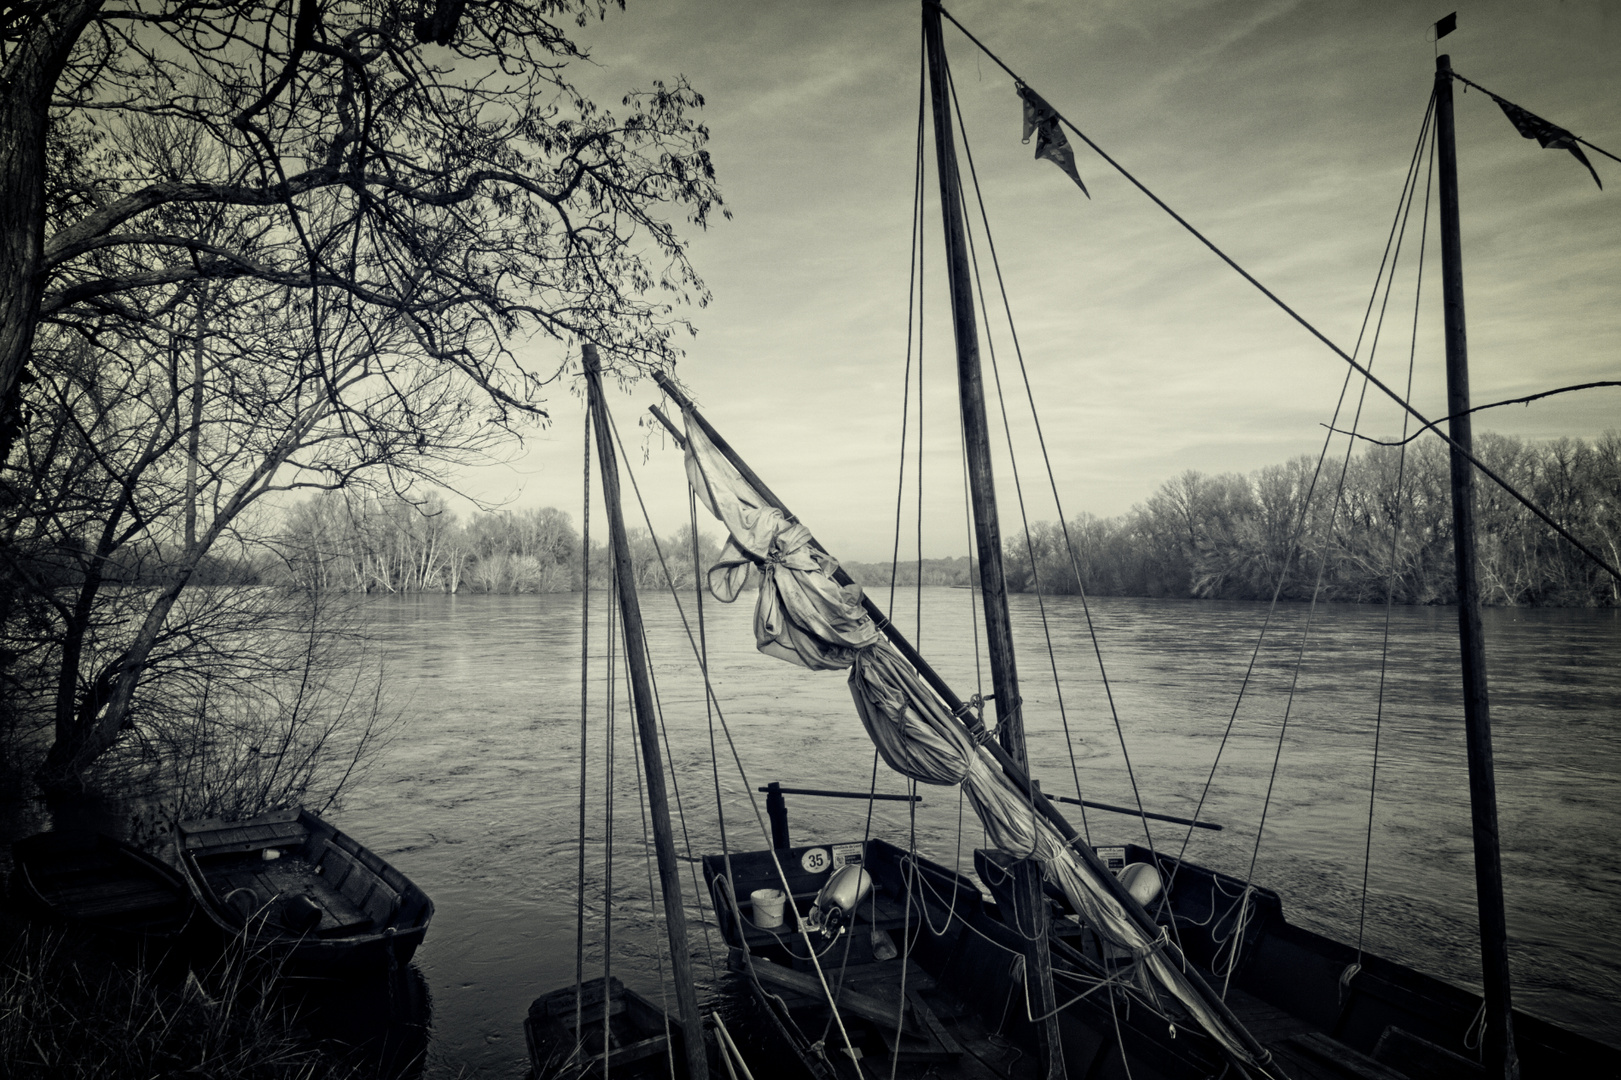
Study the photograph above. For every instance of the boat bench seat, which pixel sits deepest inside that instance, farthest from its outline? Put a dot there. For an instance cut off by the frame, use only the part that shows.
(131, 899)
(249, 838)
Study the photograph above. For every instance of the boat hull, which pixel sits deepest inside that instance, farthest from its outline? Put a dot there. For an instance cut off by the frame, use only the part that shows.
(307, 895)
(1302, 987)
(92, 880)
(1387, 1021)
(642, 1043)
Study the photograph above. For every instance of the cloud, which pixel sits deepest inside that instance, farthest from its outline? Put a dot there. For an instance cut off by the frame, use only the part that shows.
(1282, 131)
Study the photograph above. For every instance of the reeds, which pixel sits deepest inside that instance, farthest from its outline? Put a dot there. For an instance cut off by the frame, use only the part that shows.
(69, 1012)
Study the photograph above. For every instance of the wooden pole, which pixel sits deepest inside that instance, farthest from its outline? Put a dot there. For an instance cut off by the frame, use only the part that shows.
(971, 403)
(1015, 771)
(1501, 1057)
(692, 1024)
(1032, 902)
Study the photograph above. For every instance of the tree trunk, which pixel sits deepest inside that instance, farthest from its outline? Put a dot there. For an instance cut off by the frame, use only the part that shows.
(29, 78)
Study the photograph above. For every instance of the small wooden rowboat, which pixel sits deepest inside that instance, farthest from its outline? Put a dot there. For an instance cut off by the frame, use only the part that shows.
(321, 902)
(94, 880)
(640, 1041)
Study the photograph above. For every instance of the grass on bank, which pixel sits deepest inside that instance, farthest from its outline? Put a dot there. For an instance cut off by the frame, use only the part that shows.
(68, 1011)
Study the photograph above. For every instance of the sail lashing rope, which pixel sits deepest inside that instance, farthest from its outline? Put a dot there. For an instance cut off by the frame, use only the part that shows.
(802, 615)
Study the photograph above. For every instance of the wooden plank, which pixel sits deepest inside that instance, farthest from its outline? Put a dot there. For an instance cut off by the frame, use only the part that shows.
(885, 971)
(636, 1051)
(851, 1001)
(931, 1045)
(1421, 1059)
(932, 1022)
(1345, 1061)
(246, 840)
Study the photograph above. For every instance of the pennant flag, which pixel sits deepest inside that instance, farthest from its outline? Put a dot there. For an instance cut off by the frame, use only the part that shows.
(1041, 121)
(1445, 26)
(1551, 136)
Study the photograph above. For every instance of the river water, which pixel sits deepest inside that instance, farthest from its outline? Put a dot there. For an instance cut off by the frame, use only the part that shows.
(476, 797)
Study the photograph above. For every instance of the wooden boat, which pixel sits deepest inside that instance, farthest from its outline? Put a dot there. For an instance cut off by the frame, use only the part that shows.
(641, 1040)
(1103, 963)
(313, 897)
(966, 1000)
(94, 880)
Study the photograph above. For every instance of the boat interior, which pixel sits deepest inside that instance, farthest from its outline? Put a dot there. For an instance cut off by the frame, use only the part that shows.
(302, 877)
(958, 964)
(638, 1038)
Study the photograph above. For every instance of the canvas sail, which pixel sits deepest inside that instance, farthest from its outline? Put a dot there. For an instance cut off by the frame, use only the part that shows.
(805, 617)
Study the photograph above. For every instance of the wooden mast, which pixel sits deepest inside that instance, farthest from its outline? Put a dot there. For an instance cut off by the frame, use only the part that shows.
(971, 401)
(1029, 910)
(692, 1026)
(1501, 1057)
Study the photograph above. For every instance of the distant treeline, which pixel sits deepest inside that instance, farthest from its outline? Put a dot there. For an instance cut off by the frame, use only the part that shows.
(1231, 536)
(1224, 537)
(368, 544)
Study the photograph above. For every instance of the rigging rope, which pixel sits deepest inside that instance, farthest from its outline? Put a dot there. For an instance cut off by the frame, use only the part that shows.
(1390, 587)
(1007, 307)
(608, 828)
(1293, 547)
(1491, 475)
(914, 292)
(681, 814)
(585, 685)
(652, 890)
(1410, 188)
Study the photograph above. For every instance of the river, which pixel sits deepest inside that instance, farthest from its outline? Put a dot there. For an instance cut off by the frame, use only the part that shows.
(476, 796)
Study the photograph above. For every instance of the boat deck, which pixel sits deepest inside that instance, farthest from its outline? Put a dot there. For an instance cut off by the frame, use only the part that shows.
(263, 883)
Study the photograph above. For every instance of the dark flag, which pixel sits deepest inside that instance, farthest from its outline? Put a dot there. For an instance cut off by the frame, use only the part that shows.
(1551, 136)
(1446, 26)
(1051, 143)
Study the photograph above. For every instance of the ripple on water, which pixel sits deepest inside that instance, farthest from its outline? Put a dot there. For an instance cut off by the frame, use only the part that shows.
(477, 799)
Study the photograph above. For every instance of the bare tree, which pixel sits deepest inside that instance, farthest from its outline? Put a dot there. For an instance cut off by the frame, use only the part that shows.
(424, 163)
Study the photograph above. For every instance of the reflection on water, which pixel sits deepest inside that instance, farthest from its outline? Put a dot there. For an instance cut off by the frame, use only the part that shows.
(476, 800)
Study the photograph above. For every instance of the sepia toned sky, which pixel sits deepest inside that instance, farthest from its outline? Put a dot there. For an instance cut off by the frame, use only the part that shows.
(1282, 130)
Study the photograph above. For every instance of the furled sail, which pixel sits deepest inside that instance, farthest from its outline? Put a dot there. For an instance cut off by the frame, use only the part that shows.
(802, 615)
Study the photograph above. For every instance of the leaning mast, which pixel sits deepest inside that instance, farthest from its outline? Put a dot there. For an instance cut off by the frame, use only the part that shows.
(692, 1027)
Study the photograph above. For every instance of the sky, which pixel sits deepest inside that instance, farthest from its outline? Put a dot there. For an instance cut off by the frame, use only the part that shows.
(1282, 130)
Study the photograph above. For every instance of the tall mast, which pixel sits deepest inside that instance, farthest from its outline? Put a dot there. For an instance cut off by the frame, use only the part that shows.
(1501, 1058)
(1029, 909)
(630, 609)
(971, 400)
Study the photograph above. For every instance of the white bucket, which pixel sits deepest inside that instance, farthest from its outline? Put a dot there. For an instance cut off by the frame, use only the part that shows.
(767, 907)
